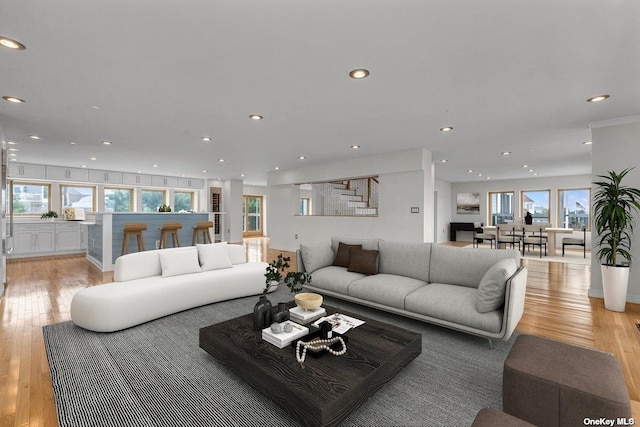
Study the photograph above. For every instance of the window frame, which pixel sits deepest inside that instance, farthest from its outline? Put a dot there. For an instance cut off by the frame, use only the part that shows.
(131, 197)
(154, 190)
(190, 193)
(588, 208)
(549, 213)
(30, 183)
(303, 201)
(93, 195)
(490, 205)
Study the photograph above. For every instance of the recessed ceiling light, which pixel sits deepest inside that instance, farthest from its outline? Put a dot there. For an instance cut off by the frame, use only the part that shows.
(34, 137)
(242, 175)
(139, 172)
(277, 168)
(13, 160)
(506, 153)
(72, 143)
(11, 142)
(83, 166)
(446, 129)
(221, 160)
(488, 177)
(470, 170)
(183, 175)
(598, 98)
(587, 142)
(11, 43)
(359, 73)
(107, 142)
(93, 158)
(13, 149)
(301, 157)
(355, 146)
(535, 174)
(204, 171)
(206, 138)
(95, 107)
(12, 154)
(155, 166)
(14, 99)
(256, 117)
(525, 166)
(530, 170)
(443, 161)
(479, 174)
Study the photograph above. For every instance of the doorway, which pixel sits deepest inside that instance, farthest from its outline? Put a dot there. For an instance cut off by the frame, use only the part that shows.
(252, 216)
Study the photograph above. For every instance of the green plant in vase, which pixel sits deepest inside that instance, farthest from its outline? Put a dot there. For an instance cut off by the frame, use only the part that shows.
(50, 215)
(274, 275)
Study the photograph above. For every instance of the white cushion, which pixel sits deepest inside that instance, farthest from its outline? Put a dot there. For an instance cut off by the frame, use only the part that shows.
(237, 254)
(213, 256)
(179, 262)
(316, 256)
(492, 286)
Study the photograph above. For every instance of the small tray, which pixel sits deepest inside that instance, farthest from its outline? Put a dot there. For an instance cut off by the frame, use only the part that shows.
(319, 353)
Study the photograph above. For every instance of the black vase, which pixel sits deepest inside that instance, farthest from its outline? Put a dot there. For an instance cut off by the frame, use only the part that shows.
(262, 315)
(282, 313)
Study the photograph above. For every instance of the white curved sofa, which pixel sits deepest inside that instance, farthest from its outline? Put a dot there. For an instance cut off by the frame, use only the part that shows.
(151, 284)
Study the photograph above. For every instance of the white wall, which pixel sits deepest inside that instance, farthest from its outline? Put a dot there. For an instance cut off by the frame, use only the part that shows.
(616, 147)
(232, 200)
(516, 185)
(443, 189)
(404, 183)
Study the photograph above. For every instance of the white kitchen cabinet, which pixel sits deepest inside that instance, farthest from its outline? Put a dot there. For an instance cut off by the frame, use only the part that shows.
(68, 237)
(164, 181)
(33, 238)
(136, 179)
(58, 173)
(196, 184)
(27, 170)
(105, 177)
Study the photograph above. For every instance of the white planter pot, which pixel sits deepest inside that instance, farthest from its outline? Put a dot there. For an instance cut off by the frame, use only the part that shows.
(614, 285)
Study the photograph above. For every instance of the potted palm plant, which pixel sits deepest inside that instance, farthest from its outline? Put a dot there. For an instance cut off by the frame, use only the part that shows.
(614, 207)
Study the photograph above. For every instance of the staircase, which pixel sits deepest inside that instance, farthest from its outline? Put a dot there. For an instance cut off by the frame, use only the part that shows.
(357, 197)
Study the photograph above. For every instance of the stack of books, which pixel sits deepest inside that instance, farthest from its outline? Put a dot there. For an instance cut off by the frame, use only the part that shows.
(283, 339)
(302, 316)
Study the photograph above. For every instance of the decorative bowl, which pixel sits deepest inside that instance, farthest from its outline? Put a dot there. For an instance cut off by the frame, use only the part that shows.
(308, 300)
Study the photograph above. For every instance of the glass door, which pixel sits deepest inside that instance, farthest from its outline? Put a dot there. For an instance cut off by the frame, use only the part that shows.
(252, 216)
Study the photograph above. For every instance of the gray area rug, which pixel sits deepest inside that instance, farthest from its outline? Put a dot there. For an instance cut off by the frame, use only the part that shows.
(155, 374)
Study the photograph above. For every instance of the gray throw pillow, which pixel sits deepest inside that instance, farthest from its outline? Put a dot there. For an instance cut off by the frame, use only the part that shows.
(492, 286)
(316, 256)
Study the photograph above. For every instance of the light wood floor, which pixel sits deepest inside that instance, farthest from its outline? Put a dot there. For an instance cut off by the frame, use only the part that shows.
(39, 293)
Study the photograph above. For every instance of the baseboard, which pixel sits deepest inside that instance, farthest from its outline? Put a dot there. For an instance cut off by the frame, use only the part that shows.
(598, 293)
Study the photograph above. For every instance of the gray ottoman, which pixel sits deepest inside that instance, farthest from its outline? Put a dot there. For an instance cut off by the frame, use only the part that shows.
(489, 417)
(549, 383)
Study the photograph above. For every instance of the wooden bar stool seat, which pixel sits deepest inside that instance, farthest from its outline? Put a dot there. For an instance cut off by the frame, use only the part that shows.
(202, 227)
(170, 229)
(133, 229)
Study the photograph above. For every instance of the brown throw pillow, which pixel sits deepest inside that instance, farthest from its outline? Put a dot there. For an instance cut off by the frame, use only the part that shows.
(344, 253)
(363, 261)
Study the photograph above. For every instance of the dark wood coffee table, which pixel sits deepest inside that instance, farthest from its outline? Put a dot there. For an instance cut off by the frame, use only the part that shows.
(327, 389)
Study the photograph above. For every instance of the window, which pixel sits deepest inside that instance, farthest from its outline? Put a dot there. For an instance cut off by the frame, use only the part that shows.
(78, 197)
(118, 200)
(30, 198)
(536, 202)
(152, 200)
(500, 207)
(574, 207)
(305, 206)
(252, 215)
(182, 201)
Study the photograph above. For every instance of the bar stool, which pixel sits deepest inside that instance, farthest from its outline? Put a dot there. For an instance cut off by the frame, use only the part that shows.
(170, 229)
(202, 227)
(135, 229)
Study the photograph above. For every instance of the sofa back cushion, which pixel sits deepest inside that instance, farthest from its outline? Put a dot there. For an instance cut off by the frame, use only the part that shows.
(316, 256)
(140, 264)
(492, 286)
(213, 256)
(237, 254)
(465, 266)
(179, 263)
(367, 244)
(405, 259)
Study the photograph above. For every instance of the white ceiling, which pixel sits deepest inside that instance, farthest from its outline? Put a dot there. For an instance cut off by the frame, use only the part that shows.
(508, 75)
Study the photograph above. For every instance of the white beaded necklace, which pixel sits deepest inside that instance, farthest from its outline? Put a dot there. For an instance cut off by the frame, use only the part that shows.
(316, 345)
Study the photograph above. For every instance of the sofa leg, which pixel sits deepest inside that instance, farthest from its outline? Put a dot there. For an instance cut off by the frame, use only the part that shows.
(490, 344)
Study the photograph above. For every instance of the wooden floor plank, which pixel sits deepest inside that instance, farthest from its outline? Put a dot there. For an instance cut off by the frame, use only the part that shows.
(39, 292)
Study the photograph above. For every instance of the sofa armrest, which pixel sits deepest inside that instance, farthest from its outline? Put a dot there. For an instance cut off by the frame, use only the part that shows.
(516, 289)
(299, 263)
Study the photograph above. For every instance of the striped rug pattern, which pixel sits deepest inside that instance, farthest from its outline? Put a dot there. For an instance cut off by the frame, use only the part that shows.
(155, 374)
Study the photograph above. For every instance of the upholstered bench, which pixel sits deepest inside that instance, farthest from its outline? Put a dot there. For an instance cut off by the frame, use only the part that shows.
(489, 417)
(549, 383)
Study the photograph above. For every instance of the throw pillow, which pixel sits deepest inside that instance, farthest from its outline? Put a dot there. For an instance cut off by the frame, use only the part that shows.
(213, 256)
(316, 256)
(344, 253)
(363, 261)
(492, 286)
(175, 263)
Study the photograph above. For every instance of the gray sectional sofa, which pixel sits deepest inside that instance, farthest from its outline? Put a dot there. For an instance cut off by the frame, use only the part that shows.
(476, 291)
